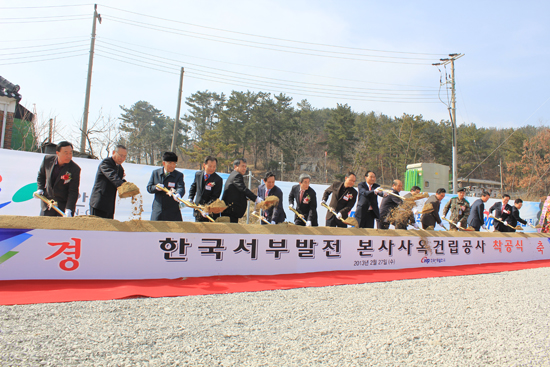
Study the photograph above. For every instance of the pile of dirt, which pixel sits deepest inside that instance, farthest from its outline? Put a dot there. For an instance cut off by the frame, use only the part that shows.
(402, 214)
(127, 190)
(269, 202)
(137, 206)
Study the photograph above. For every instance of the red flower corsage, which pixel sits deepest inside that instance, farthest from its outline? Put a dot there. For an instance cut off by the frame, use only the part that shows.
(306, 200)
(211, 184)
(66, 177)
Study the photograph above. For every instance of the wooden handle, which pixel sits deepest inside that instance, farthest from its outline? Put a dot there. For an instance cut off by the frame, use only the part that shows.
(391, 193)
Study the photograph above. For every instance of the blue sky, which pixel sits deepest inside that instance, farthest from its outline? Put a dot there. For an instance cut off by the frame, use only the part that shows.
(501, 80)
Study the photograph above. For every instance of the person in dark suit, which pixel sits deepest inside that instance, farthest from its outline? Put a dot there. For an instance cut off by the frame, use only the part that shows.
(389, 203)
(206, 188)
(166, 206)
(342, 201)
(59, 179)
(502, 211)
(514, 217)
(276, 214)
(367, 205)
(431, 218)
(306, 202)
(475, 219)
(110, 175)
(235, 192)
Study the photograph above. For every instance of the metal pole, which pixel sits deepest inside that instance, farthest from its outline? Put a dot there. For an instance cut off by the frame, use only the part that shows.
(455, 137)
(282, 166)
(248, 201)
(173, 146)
(88, 85)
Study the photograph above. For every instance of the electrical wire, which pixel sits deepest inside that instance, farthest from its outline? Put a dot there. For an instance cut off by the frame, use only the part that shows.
(238, 83)
(29, 61)
(46, 45)
(38, 51)
(266, 37)
(42, 7)
(182, 33)
(260, 67)
(179, 63)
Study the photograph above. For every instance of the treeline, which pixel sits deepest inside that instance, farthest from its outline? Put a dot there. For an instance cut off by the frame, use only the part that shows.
(270, 131)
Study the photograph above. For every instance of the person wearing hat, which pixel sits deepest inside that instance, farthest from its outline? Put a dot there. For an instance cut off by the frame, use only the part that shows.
(166, 206)
(460, 209)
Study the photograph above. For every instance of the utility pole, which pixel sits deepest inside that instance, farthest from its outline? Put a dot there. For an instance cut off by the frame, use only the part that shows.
(88, 84)
(282, 166)
(173, 146)
(452, 111)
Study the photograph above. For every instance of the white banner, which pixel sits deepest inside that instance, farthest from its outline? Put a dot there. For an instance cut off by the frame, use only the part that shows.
(18, 172)
(64, 254)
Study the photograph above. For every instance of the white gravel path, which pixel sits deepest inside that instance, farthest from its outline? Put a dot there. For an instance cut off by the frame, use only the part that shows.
(498, 319)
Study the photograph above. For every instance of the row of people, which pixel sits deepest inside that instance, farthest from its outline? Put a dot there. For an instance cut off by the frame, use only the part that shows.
(59, 179)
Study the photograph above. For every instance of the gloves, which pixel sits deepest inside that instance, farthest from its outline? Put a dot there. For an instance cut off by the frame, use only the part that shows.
(459, 225)
(416, 226)
(324, 202)
(39, 192)
(292, 206)
(377, 190)
(204, 214)
(176, 197)
(68, 212)
(339, 216)
(484, 227)
(308, 223)
(259, 200)
(159, 188)
(273, 222)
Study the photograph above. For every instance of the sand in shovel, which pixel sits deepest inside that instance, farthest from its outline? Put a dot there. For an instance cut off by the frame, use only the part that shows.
(351, 221)
(270, 201)
(215, 207)
(428, 208)
(127, 190)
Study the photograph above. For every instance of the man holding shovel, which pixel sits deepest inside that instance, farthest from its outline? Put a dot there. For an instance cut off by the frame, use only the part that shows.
(460, 209)
(514, 217)
(342, 201)
(166, 205)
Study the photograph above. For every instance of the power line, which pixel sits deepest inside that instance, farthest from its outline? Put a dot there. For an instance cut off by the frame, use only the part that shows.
(46, 45)
(267, 37)
(179, 63)
(259, 67)
(53, 58)
(38, 51)
(43, 7)
(238, 82)
(182, 33)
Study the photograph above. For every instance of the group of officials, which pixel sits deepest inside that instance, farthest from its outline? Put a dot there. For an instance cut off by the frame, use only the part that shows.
(59, 180)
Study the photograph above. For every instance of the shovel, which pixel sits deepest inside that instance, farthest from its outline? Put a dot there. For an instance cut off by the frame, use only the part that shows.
(517, 228)
(260, 217)
(459, 228)
(351, 221)
(301, 216)
(188, 203)
(50, 203)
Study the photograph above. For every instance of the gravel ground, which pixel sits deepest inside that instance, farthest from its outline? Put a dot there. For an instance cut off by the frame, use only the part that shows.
(494, 319)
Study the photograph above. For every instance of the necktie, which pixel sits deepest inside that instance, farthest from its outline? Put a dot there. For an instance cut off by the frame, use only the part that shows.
(301, 196)
(267, 193)
(206, 176)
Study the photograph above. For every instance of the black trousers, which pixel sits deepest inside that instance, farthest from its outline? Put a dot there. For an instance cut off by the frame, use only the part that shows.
(101, 213)
(335, 222)
(367, 219)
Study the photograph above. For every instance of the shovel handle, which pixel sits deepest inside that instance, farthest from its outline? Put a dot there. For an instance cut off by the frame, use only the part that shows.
(391, 193)
(301, 216)
(260, 218)
(332, 211)
(189, 204)
(50, 204)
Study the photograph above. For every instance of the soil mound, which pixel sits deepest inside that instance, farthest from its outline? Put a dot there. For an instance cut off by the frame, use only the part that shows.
(127, 190)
